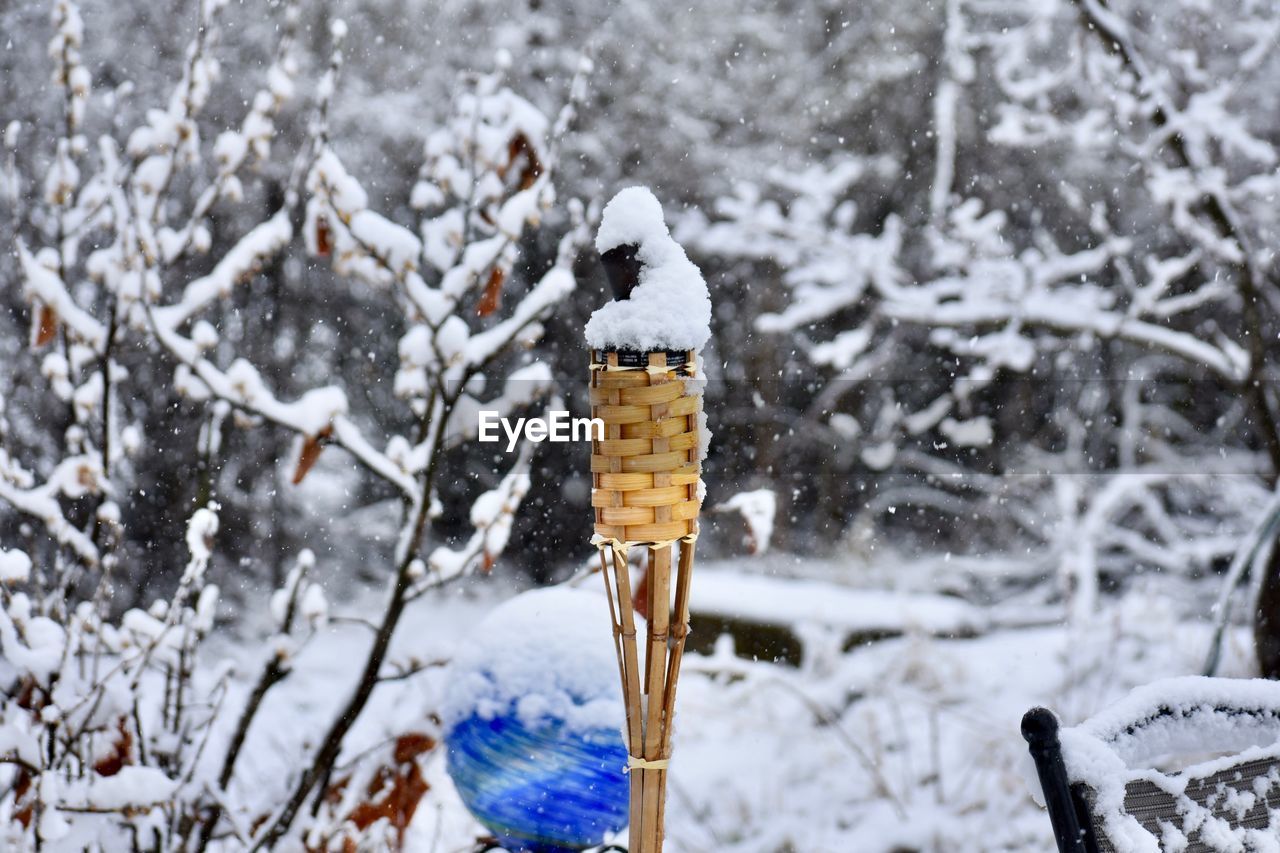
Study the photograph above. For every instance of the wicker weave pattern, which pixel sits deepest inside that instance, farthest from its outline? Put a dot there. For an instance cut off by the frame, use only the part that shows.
(645, 472)
(1152, 806)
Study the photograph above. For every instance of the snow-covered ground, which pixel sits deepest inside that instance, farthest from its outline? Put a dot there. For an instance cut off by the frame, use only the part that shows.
(909, 743)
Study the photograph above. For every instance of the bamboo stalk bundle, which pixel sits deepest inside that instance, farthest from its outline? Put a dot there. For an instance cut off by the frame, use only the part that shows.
(645, 476)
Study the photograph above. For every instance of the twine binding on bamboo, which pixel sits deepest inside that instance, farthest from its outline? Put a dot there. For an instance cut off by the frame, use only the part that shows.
(604, 543)
(636, 763)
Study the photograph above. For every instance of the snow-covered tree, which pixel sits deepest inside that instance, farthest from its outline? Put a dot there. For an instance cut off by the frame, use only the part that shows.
(1077, 316)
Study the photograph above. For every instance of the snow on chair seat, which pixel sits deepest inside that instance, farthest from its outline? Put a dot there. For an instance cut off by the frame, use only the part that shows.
(1185, 764)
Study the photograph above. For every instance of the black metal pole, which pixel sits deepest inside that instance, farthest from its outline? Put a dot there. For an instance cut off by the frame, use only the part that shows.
(1072, 833)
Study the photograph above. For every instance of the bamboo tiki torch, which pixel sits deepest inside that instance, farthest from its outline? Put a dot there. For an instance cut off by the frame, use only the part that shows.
(646, 476)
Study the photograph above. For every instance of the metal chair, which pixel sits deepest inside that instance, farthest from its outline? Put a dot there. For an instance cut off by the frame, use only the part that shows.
(1196, 807)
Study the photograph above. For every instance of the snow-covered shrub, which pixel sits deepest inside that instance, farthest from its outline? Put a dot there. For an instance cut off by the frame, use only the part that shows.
(102, 724)
(131, 279)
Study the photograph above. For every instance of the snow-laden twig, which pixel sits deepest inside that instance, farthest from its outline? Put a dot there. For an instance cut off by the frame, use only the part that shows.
(73, 477)
(491, 517)
(320, 413)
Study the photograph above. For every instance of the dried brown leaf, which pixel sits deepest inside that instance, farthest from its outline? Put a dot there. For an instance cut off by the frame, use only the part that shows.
(491, 299)
(46, 325)
(311, 447)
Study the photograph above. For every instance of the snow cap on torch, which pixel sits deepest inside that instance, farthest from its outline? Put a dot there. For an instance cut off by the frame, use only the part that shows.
(662, 305)
(646, 385)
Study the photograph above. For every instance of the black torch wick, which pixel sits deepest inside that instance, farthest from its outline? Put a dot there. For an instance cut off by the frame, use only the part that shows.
(622, 266)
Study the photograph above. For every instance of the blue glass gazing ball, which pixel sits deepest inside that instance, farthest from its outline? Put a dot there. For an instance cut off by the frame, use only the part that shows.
(533, 721)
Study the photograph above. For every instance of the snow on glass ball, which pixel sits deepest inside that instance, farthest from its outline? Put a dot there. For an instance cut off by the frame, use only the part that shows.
(533, 720)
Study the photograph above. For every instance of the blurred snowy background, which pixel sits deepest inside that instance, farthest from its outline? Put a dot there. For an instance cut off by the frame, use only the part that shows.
(993, 376)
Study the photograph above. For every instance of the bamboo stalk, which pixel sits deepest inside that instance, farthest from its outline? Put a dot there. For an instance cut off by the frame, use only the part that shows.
(679, 633)
(661, 818)
(631, 657)
(617, 631)
(631, 689)
(655, 690)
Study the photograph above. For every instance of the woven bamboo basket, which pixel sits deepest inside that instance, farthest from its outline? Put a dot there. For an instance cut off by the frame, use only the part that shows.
(645, 476)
